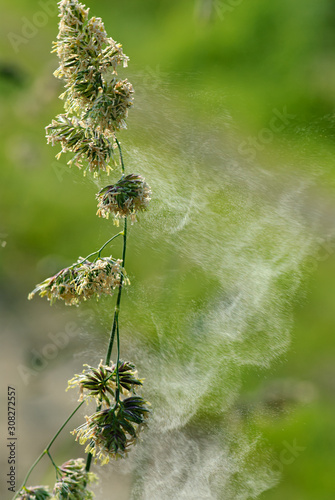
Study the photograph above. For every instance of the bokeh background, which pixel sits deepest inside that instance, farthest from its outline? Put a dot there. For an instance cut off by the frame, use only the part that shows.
(233, 126)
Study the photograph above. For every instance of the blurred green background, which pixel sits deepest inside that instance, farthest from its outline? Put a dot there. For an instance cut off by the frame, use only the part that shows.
(221, 64)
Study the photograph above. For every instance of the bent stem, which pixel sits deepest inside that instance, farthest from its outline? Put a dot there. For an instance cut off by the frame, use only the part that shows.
(100, 249)
(46, 450)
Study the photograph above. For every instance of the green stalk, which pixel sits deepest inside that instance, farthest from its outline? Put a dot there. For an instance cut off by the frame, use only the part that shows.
(46, 451)
(118, 300)
(100, 249)
(120, 152)
(115, 326)
(117, 392)
(53, 463)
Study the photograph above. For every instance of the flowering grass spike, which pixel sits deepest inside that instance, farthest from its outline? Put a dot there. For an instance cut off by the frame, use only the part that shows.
(96, 100)
(96, 103)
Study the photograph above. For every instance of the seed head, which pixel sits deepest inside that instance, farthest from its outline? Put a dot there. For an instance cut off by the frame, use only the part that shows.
(82, 280)
(73, 480)
(100, 383)
(34, 493)
(74, 136)
(96, 100)
(112, 431)
(130, 195)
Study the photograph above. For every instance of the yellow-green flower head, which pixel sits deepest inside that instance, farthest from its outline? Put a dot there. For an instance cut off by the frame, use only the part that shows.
(101, 383)
(82, 280)
(94, 148)
(110, 109)
(72, 12)
(34, 493)
(96, 100)
(83, 43)
(73, 480)
(130, 195)
(111, 432)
